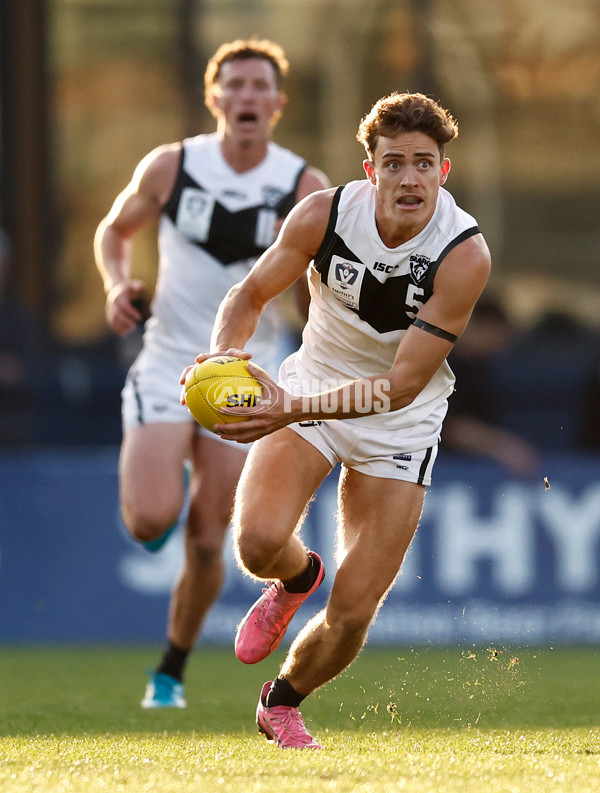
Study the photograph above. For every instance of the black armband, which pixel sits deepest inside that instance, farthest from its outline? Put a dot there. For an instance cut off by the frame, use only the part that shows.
(435, 331)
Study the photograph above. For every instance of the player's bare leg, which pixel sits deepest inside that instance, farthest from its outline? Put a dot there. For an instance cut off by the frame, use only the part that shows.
(151, 483)
(151, 496)
(268, 547)
(152, 492)
(266, 543)
(378, 519)
(217, 468)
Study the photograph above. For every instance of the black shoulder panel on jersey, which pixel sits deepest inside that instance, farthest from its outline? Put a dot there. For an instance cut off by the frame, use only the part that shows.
(451, 245)
(330, 239)
(291, 199)
(333, 245)
(170, 207)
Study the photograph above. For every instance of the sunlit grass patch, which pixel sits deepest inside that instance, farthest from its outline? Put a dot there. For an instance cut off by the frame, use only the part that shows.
(437, 719)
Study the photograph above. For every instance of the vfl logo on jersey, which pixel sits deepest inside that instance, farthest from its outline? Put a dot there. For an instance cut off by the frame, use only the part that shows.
(345, 274)
(419, 265)
(194, 213)
(345, 280)
(271, 196)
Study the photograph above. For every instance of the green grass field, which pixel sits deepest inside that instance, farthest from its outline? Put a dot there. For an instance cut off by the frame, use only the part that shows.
(446, 719)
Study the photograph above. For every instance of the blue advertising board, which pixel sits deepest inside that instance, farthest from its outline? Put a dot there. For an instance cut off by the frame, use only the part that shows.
(495, 559)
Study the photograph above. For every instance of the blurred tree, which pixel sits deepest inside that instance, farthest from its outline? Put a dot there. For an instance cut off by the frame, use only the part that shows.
(26, 179)
(192, 62)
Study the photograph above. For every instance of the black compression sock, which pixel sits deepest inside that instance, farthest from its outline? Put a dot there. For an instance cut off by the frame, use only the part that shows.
(304, 581)
(173, 662)
(283, 693)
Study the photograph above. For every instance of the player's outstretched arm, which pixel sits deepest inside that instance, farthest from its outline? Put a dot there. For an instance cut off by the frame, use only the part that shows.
(139, 205)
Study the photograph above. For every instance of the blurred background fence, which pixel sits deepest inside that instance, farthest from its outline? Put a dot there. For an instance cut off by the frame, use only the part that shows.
(88, 87)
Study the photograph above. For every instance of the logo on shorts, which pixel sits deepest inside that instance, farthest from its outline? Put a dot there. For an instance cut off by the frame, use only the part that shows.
(309, 423)
(405, 458)
(419, 265)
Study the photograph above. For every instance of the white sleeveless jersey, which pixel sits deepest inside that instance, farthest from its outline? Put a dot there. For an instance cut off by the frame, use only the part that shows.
(214, 226)
(365, 295)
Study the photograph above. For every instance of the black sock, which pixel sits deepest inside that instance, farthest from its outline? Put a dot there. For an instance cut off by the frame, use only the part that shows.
(304, 581)
(283, 693)
(173, 662)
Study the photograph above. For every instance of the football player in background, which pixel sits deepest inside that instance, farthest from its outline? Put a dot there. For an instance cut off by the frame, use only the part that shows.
(219, 200)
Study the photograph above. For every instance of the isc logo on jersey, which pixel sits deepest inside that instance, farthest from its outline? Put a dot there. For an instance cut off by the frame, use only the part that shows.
(222, 382)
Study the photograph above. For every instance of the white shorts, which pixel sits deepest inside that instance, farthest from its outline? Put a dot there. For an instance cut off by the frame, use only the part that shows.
(375, 452)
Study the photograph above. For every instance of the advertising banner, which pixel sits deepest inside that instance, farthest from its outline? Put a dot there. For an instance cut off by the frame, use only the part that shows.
(495, 559)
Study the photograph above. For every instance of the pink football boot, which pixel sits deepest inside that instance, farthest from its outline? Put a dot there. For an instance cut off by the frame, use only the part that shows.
(265, 624)
(283, 725)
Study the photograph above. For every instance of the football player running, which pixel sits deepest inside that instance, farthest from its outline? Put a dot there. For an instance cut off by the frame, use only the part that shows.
(395, 270)
(219, 200)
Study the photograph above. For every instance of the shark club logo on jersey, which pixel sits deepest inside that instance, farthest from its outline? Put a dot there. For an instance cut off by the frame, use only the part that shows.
(419, 265)
(271, 196)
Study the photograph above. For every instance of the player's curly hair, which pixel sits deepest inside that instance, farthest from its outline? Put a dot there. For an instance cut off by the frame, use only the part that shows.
(406, 113)
(244, 49)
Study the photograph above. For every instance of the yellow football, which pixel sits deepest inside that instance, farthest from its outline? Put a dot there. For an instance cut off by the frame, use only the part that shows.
(221, 382)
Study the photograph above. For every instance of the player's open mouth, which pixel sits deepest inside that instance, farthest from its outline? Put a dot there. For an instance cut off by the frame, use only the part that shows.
(247, 118)
(409, 201)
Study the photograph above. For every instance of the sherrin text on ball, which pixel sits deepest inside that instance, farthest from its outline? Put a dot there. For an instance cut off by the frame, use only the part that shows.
(221, 382)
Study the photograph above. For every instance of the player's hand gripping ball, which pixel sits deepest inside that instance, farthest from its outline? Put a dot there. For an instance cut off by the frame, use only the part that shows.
(221, 382)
